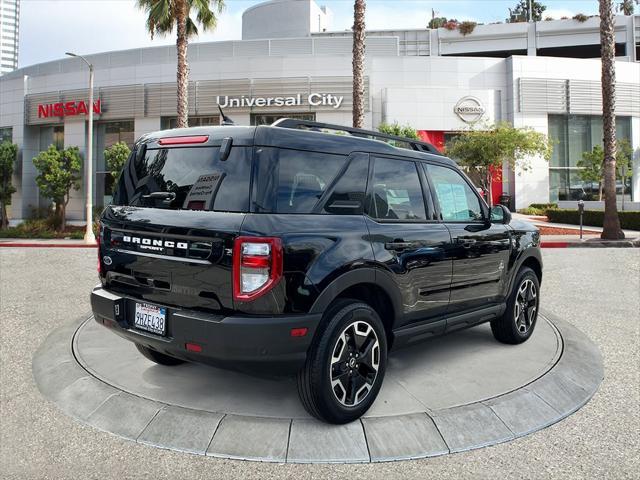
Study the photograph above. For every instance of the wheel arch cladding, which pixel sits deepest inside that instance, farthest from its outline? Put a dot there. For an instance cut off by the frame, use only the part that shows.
(534, 264)
(369, 286)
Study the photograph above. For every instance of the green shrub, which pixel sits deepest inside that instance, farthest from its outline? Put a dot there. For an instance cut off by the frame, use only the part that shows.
(628, 219)
(544, 206)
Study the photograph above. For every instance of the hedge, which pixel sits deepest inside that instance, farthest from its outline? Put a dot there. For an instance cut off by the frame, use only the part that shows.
(628, 219)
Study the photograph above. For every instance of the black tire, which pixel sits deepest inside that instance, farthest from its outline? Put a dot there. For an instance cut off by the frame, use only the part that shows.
(157, 357)
(519, 319)
(339, 332)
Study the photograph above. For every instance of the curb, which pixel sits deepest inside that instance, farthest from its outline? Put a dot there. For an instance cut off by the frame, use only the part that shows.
(592, 244)
(45, 245)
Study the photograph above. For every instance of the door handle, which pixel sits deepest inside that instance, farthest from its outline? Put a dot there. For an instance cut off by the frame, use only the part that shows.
(398, 245)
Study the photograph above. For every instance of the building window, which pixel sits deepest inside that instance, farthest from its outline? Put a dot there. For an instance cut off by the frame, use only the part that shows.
(108, 134)
(269, 118)
(172, 122)
(52, 135)
(574, 135)
(6, 134)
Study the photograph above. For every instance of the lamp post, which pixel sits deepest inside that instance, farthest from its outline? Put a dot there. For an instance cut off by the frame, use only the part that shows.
(89, 237)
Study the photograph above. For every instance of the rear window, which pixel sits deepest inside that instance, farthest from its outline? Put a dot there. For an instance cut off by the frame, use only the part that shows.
(192, 178)
(293, 181)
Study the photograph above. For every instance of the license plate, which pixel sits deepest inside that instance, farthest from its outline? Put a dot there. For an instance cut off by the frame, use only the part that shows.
(150, 318)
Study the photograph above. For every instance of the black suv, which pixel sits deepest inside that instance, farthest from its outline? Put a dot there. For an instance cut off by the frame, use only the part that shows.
(286, 248)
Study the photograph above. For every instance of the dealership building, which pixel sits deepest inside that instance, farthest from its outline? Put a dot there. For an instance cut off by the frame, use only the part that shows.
(543, 75)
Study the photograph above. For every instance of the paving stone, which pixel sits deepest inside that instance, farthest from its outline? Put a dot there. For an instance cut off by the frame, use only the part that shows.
(54, 378)
(470, 426)
(314, 441)
(402, 437)
(252, 438)
(84, 396)
(523, 412)
(559, 391)
(125, 415)
(181, 429)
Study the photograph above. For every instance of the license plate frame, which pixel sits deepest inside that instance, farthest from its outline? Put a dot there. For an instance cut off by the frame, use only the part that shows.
(150, 318)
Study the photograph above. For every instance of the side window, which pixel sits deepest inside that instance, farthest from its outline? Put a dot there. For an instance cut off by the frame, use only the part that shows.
(396, 193)
(292, 181)
(347, 196)
(458, 202)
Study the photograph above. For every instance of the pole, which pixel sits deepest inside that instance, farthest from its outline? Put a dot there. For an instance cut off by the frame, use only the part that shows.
(530, 11)
(89, 236)
(581, 210)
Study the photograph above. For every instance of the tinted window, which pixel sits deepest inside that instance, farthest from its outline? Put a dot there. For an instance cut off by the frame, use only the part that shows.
(347, 197)
(292, 181)
(457, 200)
(396, 193)
(194, 179)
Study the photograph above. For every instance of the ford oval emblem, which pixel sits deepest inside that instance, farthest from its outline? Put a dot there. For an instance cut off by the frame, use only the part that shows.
(107, 260)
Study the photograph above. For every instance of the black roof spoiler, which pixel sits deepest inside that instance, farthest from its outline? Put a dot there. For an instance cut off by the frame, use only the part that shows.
(413, 144)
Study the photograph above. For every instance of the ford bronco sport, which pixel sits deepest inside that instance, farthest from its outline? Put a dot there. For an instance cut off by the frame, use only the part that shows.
(286, 248)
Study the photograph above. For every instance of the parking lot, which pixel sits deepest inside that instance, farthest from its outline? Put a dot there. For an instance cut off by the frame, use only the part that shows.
(598, 290)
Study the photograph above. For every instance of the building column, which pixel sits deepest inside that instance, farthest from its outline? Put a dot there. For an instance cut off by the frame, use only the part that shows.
(635, 143)
(75, 135)
(145, 125)
(532, 40)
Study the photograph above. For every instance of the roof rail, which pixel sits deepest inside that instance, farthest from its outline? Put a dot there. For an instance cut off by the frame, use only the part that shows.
(411, 143)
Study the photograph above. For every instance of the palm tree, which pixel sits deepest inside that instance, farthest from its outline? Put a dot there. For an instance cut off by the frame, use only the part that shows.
(611, 223)
(163, 16)
(358, 63)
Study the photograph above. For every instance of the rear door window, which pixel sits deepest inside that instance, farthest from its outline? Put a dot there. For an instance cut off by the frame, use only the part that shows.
(396, 192)
(293, 181)
(192, 178)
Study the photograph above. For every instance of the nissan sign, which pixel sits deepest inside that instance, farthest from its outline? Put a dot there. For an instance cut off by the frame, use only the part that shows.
(469, 109)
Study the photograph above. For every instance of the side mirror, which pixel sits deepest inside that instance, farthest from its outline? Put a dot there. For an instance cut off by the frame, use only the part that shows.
(500, 214)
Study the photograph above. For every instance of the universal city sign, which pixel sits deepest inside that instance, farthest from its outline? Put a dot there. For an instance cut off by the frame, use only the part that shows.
(313, 99)
(469, 109)
(67, 109)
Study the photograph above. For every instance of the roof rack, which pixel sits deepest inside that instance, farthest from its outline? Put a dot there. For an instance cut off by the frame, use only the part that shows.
(411, 143)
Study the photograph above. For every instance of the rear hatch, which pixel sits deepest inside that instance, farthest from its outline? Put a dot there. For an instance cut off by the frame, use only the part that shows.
(169, 236)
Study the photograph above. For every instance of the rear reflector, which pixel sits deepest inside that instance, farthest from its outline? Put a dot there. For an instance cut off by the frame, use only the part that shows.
(299, 332)
(184, 140)
(193, 347)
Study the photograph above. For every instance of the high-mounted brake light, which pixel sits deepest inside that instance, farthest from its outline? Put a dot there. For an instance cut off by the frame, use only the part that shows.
(183, 140)
(257, 266)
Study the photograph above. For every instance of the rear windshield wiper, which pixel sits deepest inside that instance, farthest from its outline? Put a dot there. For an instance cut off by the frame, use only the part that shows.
(166, 196)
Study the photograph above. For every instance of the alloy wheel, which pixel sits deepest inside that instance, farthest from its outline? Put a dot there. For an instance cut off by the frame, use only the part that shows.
(526, 306)
(355, 361)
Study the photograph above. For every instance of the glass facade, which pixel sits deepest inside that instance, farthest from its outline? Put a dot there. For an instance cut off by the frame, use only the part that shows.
(108, 134)
(172, 122)
(573, 135)
(52, 135)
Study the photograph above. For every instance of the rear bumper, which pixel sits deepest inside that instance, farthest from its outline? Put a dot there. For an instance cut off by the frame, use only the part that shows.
(254, 343)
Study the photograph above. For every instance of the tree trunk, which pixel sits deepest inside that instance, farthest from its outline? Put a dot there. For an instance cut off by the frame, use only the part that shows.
(4, 221)
(61, 215)
(358, 63)
(489, 188)
(611, 224)
(183, 66)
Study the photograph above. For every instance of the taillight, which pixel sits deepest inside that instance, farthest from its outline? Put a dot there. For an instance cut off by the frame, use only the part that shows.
(257, 266)
(98, 249)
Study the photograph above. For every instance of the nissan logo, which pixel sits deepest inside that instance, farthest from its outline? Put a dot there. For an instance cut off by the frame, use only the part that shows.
(469, 109)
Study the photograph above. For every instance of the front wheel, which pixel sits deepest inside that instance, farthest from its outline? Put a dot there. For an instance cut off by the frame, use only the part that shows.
(345, 365)
(519, 320)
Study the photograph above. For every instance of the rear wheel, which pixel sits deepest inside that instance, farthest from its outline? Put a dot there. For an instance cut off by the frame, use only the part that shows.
(345, 365)
(157, 357)
(519, 320)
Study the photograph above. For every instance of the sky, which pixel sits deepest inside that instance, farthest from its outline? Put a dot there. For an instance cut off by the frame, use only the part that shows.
(48, 28)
